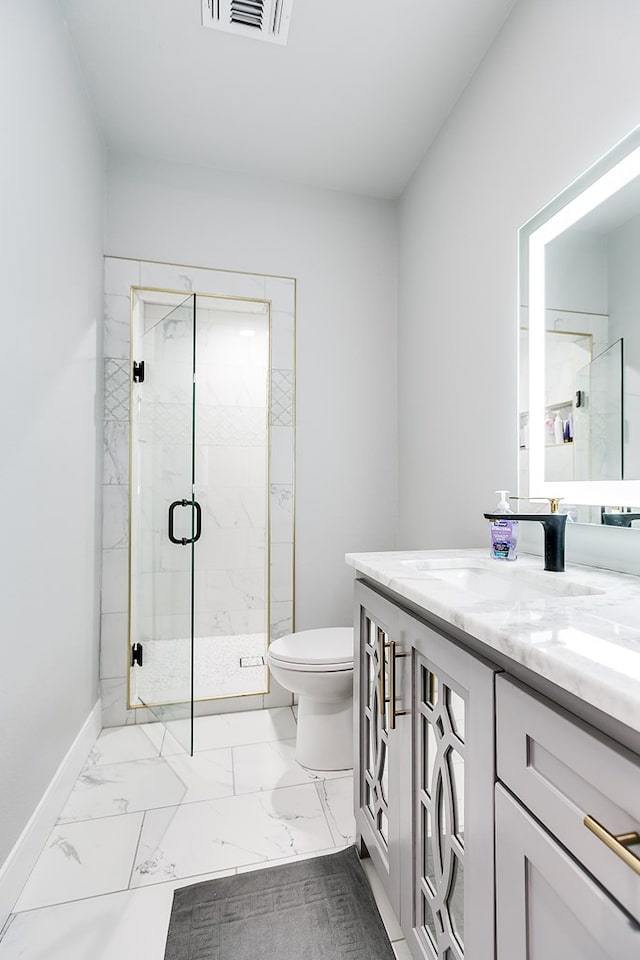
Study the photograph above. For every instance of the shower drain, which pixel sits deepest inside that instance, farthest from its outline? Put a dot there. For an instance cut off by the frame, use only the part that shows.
(252, 661)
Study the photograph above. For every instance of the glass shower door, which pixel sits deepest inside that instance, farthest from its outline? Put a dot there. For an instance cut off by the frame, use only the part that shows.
(598, 424)
(232, 605)
(165, 518)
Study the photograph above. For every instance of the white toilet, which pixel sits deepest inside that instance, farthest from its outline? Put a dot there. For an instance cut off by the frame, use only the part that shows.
(317, 665)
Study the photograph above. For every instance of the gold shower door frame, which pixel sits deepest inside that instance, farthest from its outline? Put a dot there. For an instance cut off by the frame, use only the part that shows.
(138, 298)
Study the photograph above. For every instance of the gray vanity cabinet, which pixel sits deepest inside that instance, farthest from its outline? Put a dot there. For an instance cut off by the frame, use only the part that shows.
(424, 778)
(561, 889)
(377, 747)
(547, 906)
(448, 777)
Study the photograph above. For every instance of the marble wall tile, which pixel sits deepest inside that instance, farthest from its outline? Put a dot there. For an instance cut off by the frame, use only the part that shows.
(201, 280)
(113, 693)
(120, 275)
(117, 327)
(283, 355)
(115, 517)
(281, 513)
(83, 859)
(114, 647)
(167, 276)
(115, 581)
(277, 696)
(234, 590)
(116, 452)
(281, 292)
(281, 619)
(116, 389)
(211, 708)
(281, 458)
(227, 283)
(248, 621)
(281, 572)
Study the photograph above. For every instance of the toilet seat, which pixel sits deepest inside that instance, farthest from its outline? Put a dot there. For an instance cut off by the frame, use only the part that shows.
(328, 649)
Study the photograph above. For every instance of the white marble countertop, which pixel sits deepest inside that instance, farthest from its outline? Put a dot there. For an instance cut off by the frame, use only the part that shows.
(587, 644)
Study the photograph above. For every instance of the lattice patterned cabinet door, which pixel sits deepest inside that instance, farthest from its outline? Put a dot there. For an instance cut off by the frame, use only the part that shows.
(377, 779)
(448, 883)
(441, 753)
(376, 735)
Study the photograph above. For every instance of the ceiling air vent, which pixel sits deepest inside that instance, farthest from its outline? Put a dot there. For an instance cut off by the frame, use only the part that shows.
(261, 19)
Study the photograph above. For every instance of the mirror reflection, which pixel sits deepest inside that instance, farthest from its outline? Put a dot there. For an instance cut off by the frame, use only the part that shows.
(581, 284)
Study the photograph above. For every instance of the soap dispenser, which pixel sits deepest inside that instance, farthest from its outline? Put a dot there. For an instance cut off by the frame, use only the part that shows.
(504, 532)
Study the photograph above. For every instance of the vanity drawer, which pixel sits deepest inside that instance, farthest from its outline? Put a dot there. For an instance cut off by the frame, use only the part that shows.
(563, 771)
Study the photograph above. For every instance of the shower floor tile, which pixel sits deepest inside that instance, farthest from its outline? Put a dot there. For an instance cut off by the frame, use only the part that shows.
(164, 676)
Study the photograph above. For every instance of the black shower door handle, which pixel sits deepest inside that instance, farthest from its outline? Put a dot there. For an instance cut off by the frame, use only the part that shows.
(183, 541)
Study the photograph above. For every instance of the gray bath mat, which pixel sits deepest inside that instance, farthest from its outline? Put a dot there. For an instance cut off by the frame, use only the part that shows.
(319, 909)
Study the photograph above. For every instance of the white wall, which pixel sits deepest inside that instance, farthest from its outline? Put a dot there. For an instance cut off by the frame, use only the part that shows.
(51, 197)
(558, 88)
(342, 251)
(576, 273)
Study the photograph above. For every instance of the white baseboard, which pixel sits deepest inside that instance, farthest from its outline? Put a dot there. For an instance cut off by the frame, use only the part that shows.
(15, 871)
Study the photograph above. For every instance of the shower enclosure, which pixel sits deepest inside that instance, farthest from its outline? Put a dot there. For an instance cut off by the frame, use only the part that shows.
(200, 503)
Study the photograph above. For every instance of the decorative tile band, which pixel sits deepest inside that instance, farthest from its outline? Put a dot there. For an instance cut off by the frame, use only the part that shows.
(282, 398)
(116, 390)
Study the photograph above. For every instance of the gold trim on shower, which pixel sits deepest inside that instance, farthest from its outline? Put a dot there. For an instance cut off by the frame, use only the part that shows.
(134, 289)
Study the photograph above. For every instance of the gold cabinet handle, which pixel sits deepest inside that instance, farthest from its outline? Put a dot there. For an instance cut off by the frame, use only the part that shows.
(618, 844)
(392, 685)
(382, 696)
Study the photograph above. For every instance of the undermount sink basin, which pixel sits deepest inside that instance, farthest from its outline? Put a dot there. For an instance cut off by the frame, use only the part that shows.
(492, 582)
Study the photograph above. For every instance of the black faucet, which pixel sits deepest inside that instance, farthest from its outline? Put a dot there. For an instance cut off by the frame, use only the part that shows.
(554, 525)
(619, 519)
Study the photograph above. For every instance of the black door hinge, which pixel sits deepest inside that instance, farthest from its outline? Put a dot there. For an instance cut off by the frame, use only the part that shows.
(138, 371)
(136, 654)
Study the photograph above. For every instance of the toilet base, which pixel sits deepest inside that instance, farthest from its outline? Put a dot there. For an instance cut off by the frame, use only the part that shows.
(325, 734)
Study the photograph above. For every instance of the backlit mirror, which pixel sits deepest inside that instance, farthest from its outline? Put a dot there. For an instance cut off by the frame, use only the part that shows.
(579, 344)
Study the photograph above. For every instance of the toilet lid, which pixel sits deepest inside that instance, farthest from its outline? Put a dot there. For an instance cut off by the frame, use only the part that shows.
(328, 645)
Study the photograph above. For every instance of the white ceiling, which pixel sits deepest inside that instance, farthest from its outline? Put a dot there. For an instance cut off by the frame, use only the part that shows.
(351, 103)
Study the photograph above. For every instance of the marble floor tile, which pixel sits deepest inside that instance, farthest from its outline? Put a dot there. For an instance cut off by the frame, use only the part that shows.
(267, 766)
(232, 729)
(118, 926)
(266, 864)
(81, 860)
(108, 789)
(117, 744)
(220, 834)
(337, 799)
